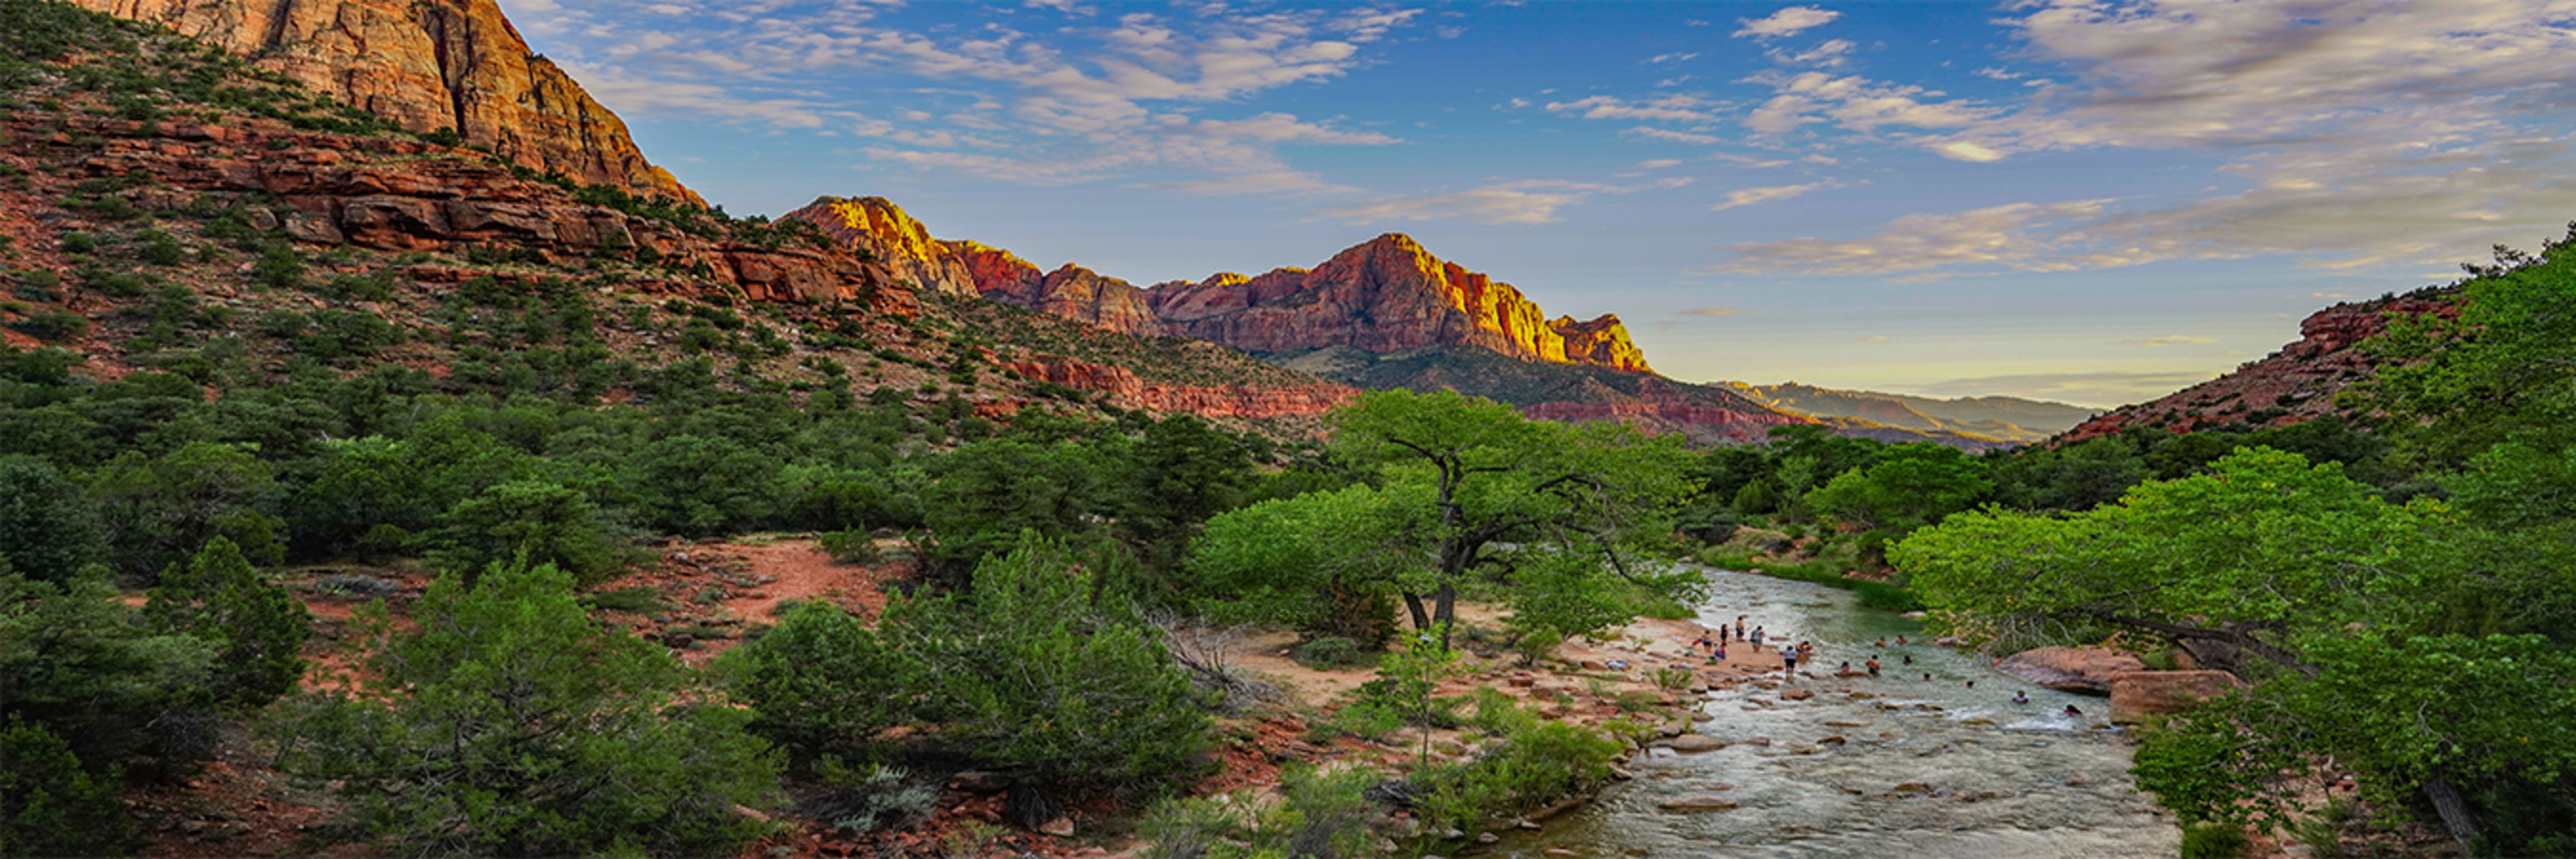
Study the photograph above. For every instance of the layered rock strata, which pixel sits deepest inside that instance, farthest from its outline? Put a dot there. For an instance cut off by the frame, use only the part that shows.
(1386, 295)
(406, 195)
(428, 65)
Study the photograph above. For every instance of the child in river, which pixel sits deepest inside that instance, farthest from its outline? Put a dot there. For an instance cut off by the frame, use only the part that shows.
(1873, 666)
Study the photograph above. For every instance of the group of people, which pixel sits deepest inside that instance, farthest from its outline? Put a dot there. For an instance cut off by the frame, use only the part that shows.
(1714, 641)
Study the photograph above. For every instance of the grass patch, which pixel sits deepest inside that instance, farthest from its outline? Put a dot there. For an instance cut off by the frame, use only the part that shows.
(638, 599)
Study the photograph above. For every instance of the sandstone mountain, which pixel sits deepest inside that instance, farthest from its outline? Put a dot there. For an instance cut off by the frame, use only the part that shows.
(1385, 295)
(2296, 384)
(2002, 418)
(427, 65)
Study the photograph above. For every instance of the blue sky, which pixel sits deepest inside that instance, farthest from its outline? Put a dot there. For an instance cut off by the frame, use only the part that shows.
(2096, 202)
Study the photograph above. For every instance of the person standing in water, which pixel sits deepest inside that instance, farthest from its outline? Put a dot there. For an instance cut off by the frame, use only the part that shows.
(1873, 666)
(1757, 639)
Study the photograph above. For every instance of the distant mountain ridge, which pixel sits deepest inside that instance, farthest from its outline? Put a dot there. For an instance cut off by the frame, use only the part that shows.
(1387, 313)
(2002, 418)
(1386, 294)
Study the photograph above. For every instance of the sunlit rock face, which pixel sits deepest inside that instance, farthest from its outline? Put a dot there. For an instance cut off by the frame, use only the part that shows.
(1386, 295)
(881, 229)
(428, 65)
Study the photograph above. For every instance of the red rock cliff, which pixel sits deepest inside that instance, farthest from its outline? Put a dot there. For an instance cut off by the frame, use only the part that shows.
(427, 64)
(885, 231)
(1386, 295)
(1234, 401)
(1071, 291)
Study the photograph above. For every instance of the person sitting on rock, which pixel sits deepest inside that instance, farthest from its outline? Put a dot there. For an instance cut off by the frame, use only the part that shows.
(1846, 669)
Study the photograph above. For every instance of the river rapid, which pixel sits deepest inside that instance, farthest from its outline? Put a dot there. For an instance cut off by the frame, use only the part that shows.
(1982, 776)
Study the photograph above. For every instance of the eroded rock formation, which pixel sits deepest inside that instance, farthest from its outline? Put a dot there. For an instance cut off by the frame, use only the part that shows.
(428, 65)
(1386, 295)
(877, 228)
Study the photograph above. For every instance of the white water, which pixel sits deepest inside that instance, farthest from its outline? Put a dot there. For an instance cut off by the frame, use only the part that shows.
(2026, 781)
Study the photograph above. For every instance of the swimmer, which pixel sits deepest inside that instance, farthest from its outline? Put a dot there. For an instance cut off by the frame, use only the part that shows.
(1882, 641)
(1909, 659)
(2071, 711)
(1873, 666)
(2021, 697)
(1972, 684)
(1927, 675)
(1900, 639)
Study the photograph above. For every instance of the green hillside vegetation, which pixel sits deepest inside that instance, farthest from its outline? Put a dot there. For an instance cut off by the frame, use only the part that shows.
(203, 411)
(2407, 608)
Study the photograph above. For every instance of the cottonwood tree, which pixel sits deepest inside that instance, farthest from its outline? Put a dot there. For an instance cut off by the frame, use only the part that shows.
(1464, 486)
(2241, 561)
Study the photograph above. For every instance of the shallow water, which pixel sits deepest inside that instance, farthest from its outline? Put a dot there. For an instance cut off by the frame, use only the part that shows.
(2022, 780)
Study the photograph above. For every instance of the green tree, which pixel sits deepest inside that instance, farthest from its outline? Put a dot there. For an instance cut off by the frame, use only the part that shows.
(74, 659)
(697, 486)
(2497, 371)
(51, 804)
(823, 683)
(256, 628)
(986, 493)
(48, 527)
(161, 509)
(540, 523)
(509, 723)
(1908, 486)
(1465, 477)
(1028, 673)
(2238, 561)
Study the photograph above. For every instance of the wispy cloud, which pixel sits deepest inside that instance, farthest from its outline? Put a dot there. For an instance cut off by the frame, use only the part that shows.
(1714, 312)
(1084, 100)
(1532, 201)
(1996, 237)
(2169, 340)
(1678, 107)
(1751, 196)
(1789, 21)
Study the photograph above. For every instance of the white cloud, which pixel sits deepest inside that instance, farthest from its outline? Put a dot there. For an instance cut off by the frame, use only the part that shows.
(1531, 201)
(1789, 21)
(1673, 136)
(1671, 58)
(1671, 108)
(1832, 53)
(1751, 196)
(1996, 237)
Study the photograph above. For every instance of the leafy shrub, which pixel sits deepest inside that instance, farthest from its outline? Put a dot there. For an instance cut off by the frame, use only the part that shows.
(556, 735)
(53, 326)
(77, 242)
(864, 802)
(852, 546)
(256, 628)
(2214, 841)
(1030, 675)
(1321, 813)
(821, 683)
(50, 805)
(48, 528)
(1329, 654)
(534, 522)
(1546, 762)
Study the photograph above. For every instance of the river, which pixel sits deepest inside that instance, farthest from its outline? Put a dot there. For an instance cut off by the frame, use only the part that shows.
(2003, 779)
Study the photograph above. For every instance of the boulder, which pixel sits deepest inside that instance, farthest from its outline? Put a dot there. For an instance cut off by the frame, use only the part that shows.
(1796, 695)
(1696, 743)
(2086, 670)
(1699, 802)
(2141, 692)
